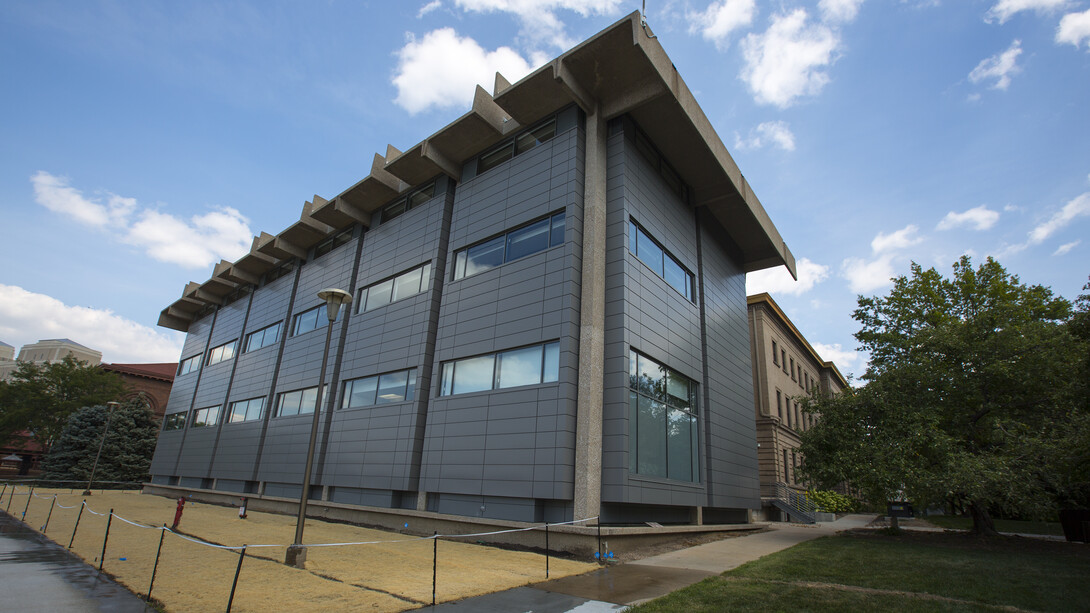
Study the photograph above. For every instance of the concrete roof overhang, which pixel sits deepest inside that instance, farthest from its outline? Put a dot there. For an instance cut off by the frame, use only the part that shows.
(622, 69)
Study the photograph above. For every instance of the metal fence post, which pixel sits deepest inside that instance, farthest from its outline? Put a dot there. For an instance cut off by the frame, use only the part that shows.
(102, 556)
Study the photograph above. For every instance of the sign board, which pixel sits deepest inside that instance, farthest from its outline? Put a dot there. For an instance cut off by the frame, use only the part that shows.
(899, 509)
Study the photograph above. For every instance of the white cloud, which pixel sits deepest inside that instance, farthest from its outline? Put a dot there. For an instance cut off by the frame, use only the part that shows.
(777, 281)
(1066, 247)
(721, 18)
(897, 240)
(833, 11)
(999, 67)
(1077, 207)
(1005, 9)
(768, 133)
(538, 18)
(865, 276)
(197, 243)
(26, 317)
(429, 7)
(977, 218)
(441, 70)
(786, 61)
(1074, 28)
(835, 353)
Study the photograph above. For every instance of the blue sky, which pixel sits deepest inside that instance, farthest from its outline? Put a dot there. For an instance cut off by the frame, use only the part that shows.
(144, 141)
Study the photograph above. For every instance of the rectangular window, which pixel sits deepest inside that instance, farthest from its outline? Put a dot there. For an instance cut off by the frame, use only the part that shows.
(663, 439)
(518, 243)
(660, 261)
(208, 416)
(264, 337)
(786, 468)
(792, 369)
(516, 146)
(279, 271)
(775, 354)
(783, 359)
(246, 410)
(410, 201)
(525, 366)
(397, 386)
(189, 365)
(332, 242)
(222, 353)
(298, 402)
(391, 290)
(308, 320)
(779, 404)
(174, 421)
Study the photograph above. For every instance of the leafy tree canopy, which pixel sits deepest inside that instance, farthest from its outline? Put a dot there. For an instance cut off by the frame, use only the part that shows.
(39, 398)
(126, 449)
(971, 393)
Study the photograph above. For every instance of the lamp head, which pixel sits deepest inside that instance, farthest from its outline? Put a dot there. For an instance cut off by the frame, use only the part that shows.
(334, 298)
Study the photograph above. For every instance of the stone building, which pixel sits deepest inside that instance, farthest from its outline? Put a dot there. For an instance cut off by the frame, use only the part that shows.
(549, 317)
(785, 368)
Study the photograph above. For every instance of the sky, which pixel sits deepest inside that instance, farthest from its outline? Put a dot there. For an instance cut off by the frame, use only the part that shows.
(142, 142)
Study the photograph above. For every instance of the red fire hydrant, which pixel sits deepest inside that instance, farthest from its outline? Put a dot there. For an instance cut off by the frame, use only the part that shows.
(178, 513)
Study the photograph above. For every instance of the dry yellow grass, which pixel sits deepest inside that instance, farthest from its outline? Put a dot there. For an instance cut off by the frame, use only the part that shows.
(387, 577)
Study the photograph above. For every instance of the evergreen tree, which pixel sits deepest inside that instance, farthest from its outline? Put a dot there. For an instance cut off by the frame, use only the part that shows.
(126, 449)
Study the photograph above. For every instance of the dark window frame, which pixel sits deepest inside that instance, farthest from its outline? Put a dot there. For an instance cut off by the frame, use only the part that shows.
(557, 223)
(190, 364)
(264, 332)
(446, 383)
(213, 358)
(408, 392)
(200, 417)
(516, 146)
(248, 401)
(425, 285)
(408, 201)
(320, 320)
(635, 231)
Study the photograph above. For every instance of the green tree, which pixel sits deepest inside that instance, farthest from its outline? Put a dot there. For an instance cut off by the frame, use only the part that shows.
(970, 383)
(39, 398)
(126, 449)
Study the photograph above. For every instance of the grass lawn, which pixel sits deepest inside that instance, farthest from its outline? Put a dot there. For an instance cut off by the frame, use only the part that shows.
(913, 572)
(1003, 525)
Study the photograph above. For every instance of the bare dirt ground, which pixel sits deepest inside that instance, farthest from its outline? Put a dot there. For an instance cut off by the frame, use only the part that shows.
(395, 575)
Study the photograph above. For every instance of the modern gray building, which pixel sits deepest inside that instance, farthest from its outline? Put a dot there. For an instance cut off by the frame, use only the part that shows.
(549, 318)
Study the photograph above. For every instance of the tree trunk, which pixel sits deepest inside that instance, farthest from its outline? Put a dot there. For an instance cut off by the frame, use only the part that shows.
(982, 520)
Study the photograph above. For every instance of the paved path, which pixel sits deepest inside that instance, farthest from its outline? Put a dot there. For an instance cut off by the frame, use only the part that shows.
(616, 587)
(36, 575)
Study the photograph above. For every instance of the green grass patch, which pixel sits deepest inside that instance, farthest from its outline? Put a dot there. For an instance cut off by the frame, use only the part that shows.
(1003, 525)
(981, 573)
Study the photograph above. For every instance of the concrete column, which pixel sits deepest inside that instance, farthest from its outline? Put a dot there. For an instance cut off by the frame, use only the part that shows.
(592, 317)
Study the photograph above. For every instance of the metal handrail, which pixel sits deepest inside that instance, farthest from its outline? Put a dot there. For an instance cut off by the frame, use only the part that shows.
(797, 500)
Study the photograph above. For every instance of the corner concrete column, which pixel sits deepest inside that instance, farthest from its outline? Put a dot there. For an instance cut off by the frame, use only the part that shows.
(592, 318)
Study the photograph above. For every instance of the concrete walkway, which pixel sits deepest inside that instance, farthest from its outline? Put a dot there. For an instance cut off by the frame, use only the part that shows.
(614, 588)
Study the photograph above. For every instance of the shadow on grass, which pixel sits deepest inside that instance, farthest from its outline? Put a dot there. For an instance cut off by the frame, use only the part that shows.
(868, 570)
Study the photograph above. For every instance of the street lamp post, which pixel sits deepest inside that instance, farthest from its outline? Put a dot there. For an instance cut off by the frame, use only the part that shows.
(297, 552)
(110, 406)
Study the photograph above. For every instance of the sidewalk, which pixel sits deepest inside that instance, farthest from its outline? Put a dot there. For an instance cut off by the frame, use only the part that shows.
(39, 575)
(614, 588)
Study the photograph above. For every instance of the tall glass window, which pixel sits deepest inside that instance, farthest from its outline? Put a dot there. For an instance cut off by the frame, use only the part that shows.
(662, 421)
(525, 366)
(518, 243)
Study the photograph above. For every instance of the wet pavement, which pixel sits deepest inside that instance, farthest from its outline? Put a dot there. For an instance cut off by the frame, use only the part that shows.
(36, 574)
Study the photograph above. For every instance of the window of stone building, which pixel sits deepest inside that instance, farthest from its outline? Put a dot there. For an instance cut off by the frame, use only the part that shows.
(775, 354)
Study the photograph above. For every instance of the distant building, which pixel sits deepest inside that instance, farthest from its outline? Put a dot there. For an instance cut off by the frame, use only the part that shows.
(46, 351)
(785, 368)
(150, 383)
